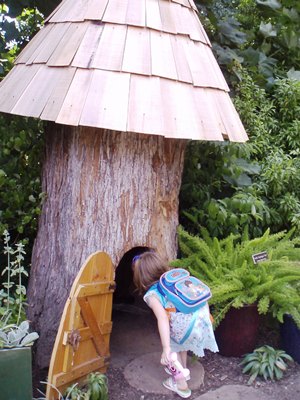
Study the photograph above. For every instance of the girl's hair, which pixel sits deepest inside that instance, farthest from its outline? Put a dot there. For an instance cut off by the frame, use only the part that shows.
(147, 269)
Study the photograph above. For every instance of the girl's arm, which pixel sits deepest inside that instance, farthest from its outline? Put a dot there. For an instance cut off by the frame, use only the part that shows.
(163, 327)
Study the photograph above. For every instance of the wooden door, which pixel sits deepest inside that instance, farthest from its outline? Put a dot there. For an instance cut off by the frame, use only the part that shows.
(82, 341)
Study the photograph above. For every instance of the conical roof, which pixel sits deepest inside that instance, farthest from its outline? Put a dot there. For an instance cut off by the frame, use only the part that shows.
(141, 66)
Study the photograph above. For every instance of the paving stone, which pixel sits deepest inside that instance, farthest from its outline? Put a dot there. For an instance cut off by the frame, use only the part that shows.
(146, 374)
(234, 392)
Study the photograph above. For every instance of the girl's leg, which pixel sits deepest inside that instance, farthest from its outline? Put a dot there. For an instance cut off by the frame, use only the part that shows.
(182, 358)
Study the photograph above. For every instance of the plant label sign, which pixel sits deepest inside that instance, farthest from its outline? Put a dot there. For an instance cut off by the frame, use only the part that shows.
(259, 257)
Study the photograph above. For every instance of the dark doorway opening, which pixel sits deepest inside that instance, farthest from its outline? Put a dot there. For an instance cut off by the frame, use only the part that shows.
(134, 330)
(125, 291)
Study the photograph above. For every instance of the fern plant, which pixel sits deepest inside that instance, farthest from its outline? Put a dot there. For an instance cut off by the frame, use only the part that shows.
(227, 267)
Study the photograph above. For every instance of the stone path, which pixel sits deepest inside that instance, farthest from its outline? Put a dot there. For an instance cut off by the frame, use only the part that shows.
(135, 348)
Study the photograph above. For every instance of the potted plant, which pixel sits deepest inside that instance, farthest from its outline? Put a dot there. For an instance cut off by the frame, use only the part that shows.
(242, 289)
(15, 338)
(15, 361)
(290, 334)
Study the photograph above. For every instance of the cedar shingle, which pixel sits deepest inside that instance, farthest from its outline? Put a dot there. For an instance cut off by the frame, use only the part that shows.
(130, 65)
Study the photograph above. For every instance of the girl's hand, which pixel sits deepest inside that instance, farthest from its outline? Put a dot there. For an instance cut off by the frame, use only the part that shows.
(166, 356)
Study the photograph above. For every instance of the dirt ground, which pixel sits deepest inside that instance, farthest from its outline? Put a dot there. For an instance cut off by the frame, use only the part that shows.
(135, 333)
(219, 371)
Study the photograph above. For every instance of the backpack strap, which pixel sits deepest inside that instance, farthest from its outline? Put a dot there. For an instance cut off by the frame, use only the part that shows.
(158, 293)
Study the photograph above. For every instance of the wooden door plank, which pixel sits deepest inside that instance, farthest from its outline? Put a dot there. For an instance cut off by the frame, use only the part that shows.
(98, 267)
(116, 12)
(63, 379)
(88, 46)
(93, 289)
(86, 333)
(79, 361)
(49, 44)
(95, 10)
(75, 315)
(57, 97)
(137, 54)
(108, 92)
(89, 318)
(110, 52)
(67, 359)
(67, 47)
(162, 58)
(153, 18)
(136, 13)
(75, 98)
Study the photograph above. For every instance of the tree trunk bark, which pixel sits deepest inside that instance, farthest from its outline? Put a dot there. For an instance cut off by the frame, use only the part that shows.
(107, 191)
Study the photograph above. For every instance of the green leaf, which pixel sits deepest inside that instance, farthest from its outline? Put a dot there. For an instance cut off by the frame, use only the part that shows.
(293, 74)
(267, 30)
(280, 365)
(252, 378)
(29, 339)
(278, 373)
(249, 366)
(274, 4)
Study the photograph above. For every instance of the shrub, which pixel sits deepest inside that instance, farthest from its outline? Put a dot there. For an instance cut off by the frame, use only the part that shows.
(265, 362)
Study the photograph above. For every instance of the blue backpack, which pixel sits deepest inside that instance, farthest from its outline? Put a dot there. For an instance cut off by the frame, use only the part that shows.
(186, 292)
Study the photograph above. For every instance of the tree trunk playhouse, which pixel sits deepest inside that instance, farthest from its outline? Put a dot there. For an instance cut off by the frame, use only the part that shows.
(124, 85)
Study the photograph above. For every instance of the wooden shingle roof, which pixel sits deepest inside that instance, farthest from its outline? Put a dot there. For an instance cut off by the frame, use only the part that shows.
(141, 66)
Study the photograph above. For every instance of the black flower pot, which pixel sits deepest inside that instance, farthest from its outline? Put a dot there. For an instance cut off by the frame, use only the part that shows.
(290, 337)
(238, 332)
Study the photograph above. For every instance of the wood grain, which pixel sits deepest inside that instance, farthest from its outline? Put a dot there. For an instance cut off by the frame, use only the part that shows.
(113, 51)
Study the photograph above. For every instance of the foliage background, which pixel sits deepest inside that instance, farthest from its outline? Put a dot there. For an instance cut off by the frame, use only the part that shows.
(21, 139)
(229, 187)
(226, 187)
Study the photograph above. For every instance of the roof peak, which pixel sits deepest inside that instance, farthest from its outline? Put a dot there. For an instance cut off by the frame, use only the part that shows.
(130, 12)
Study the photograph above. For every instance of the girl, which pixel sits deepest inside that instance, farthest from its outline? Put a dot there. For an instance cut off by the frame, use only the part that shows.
(178, 332)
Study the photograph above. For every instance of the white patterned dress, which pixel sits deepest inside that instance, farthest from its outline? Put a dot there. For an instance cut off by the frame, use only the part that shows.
(192, 331)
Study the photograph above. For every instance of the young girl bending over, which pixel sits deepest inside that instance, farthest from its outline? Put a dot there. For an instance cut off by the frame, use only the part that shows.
(178, 332)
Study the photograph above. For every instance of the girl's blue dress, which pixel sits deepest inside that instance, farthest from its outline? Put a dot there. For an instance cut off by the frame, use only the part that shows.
(192, 332)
